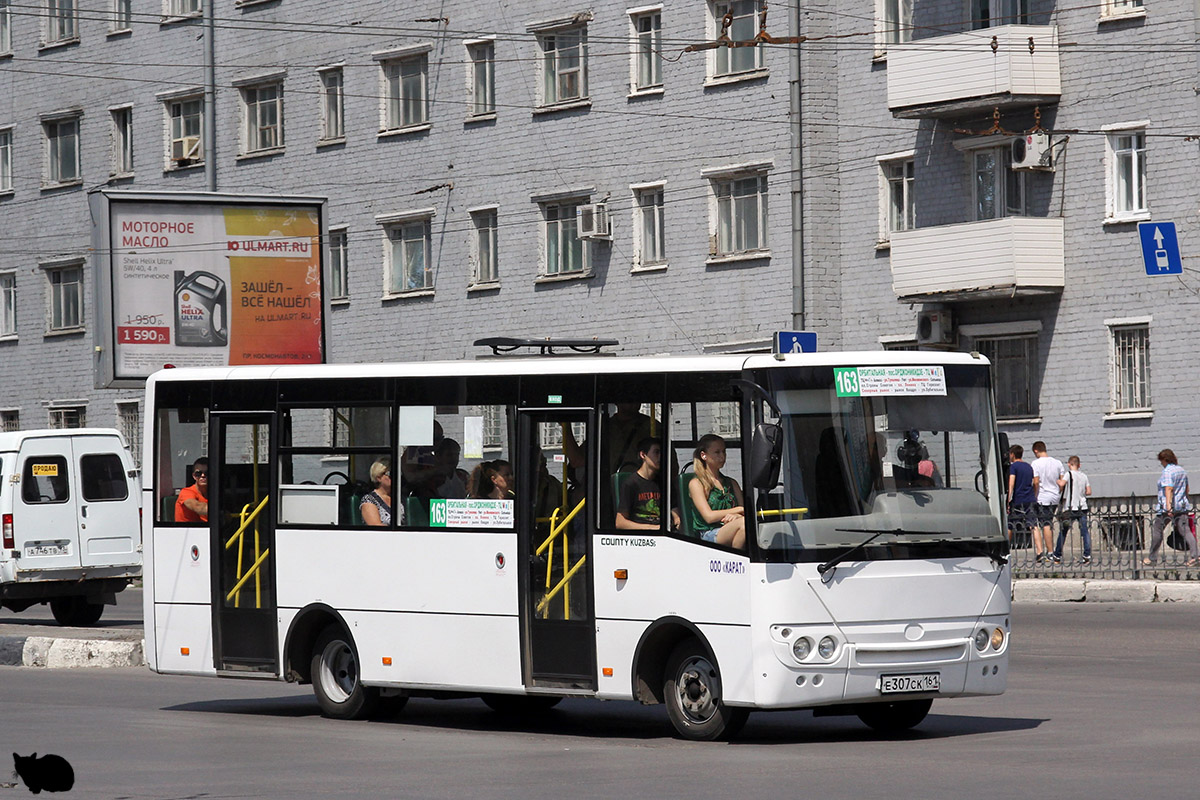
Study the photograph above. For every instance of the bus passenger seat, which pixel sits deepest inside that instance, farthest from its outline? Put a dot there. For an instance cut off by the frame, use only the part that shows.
(686, 507)
(416, 512)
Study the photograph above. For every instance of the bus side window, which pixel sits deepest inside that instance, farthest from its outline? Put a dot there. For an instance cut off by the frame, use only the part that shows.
(182, 437)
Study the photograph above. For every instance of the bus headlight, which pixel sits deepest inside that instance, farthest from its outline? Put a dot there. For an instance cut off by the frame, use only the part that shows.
(997, 638)
(827, 647)
(981, 639)
(802, 648)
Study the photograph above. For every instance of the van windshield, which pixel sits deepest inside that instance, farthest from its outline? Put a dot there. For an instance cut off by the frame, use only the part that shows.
(905, 452)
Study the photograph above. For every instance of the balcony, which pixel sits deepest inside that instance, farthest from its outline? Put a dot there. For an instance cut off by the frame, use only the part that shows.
(1008, 257)
(959, 74)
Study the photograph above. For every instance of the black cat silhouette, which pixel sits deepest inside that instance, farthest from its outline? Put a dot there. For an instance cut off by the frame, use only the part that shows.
(50, 772)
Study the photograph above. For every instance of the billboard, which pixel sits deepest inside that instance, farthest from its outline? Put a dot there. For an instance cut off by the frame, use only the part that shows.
(202, 280)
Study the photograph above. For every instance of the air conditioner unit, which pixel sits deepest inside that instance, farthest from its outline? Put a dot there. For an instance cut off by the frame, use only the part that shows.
(592, 221)
(185, 149)
(1032, 151)
(935, 327)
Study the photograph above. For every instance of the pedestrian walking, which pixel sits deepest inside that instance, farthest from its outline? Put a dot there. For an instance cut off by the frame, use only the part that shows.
(1173, 508)
(1020, 498)
(1074, 509)
(1049, 476)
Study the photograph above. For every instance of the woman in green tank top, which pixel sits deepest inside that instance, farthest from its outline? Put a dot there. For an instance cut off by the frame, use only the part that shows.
(718, 510)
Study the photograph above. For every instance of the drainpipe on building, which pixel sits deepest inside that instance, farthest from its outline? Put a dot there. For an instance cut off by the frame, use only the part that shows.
(797, 187)
(210, 98)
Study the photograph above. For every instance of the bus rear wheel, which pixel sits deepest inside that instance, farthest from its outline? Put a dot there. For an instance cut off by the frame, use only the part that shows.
(335, 677)
(75, 612)
(692, 693)
(895, 717)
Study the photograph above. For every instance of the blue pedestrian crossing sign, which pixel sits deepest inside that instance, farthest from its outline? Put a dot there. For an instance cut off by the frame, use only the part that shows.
(1160, 248)
(795, 342)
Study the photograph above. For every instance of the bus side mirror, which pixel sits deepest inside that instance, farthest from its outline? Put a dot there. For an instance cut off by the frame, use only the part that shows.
(766, 453)
(1002, 440)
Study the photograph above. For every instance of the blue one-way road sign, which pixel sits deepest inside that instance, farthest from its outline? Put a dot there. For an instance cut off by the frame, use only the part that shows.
(1160, 248)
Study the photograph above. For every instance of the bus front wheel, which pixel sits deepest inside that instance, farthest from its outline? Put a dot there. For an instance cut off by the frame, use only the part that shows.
(335, 677)
(895, 717)
(692, 693)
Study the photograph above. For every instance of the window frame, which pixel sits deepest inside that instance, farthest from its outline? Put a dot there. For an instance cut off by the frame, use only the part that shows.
(256, 113)
(1121, 9)
(887, 194)
(398, 230)
(484, 271)
(332, 104)
(57, 299)
(1031, 341)
(893, 24)
(560, 227)
(180, 123)
(6, 160)
(10, 420)
(5, 27)
(1018, 13)
(122, 140)
(723, 224)
(58, 414)
(1002, 174)
(394, 100)
(1116, 212)
(646, 45)
(339, 273)
(481, 56)
(55, 140)
(720, 61)
(551, 72)
(120, 16)
(182, 9)
(656, 211)
(8, 304)
(131, 429)
(1141, 386)
(62, 23)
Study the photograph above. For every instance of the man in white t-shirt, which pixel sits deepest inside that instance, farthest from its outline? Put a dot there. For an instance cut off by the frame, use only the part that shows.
(1049, 477)
(1075, 494)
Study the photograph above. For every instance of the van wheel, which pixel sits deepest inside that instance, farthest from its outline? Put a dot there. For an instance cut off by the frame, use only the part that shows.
(692, 693)
(895, 717)
(520, 705)
(335, 677)
(75, 612)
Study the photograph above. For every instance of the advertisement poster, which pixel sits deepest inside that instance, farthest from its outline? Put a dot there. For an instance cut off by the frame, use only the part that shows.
(213, 284)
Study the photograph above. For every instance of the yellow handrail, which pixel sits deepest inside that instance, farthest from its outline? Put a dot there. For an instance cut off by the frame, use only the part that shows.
(779, 512)
(246, 521)
(240, 534)
(561, 586)
(254, 568)
(558, 529)
(566, 521)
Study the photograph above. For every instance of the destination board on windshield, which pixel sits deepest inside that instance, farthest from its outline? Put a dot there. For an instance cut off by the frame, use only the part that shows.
(873, 381)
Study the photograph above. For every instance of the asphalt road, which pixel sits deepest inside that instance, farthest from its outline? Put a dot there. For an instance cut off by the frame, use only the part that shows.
(1102, 702)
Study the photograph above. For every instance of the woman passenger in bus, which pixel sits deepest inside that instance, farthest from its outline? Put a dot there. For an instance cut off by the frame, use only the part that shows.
(493, 479)
(718, 510)
(376, 506)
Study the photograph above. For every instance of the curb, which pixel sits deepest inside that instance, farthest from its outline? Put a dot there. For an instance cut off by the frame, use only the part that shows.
(1051, 590)
(43, 651)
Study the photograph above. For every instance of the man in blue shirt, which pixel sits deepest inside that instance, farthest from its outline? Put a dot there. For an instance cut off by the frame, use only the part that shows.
(1020, 498)
(1173, 508)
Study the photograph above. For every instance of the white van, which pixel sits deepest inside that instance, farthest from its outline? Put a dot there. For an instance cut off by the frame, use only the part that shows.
(71, 506)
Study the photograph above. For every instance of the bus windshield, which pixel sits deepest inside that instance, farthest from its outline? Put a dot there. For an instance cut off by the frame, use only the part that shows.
(905, 454)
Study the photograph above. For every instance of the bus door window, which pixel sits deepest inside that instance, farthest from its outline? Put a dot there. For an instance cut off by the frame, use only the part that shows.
(559, 543)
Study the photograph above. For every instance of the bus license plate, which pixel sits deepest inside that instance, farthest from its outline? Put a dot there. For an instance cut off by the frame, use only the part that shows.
(921, 682)
(60, 549)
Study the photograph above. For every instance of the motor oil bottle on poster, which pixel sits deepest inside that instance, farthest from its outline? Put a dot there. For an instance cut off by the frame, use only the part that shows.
(201, 310)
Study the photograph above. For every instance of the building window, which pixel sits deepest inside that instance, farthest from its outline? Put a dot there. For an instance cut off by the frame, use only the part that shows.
(647, 66)
(743, 16)
(1130, 367)
(564, 65)
(898, 203)
(338, 269)
(182, 8)
(62, 21)
(62, 146)
(650, 247)
(1127, 175)
(495, 423)
(409, 268)
(8, 303)
(61, 417)
(122, 15)
(565, 251)
(129, 424)
(483, 77)
(10, 420)
(999, 190)
(990, 13)
(1014, 365)
(1116, 8)
(893, 23)
(333, 105)
(122, 139)
(5, 26)
(66, 297)
(6, 161)
(485, 221)
(405, 92)
(263, 109)
(186, 144)
(741, 214)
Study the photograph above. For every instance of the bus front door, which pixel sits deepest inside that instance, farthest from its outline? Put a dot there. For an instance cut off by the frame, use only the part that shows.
(240, 515)
(556, 514)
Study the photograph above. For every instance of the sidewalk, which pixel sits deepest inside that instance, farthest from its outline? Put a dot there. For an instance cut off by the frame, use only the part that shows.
(52, 646)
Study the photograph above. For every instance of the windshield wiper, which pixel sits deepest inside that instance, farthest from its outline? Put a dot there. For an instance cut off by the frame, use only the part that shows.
(876, 533)
(974, 549)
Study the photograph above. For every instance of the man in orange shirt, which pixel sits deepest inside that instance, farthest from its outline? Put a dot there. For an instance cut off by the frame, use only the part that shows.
(192, 505)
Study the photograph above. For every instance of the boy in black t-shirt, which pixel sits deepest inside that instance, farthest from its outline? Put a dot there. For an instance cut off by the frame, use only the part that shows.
(640, 504)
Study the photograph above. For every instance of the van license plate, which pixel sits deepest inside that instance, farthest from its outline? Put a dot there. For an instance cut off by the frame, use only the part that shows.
(33, 550)
(921, 682)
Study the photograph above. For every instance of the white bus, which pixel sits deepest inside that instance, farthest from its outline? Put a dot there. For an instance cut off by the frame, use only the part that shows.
(873, 578)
